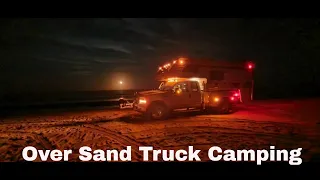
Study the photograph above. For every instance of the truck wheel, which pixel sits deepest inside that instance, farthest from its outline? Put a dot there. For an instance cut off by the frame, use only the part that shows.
(157, 111)
(205, 110)
(225, 107)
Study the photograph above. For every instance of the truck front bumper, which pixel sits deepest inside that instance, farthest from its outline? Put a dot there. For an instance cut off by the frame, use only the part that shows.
(139, 107)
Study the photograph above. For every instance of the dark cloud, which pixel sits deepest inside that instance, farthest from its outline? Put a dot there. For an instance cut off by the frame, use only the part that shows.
(86, 52)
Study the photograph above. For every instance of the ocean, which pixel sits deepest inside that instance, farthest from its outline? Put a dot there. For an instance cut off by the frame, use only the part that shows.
(64, 99)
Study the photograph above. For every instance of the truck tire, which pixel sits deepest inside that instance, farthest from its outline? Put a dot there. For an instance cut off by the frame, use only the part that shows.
(157, 111)
(225, 107)
(205, 110)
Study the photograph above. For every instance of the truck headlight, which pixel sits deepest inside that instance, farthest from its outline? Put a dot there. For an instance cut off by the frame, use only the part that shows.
(142, 100)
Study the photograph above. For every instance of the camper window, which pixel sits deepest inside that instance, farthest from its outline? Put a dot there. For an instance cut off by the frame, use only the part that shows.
(217, 75)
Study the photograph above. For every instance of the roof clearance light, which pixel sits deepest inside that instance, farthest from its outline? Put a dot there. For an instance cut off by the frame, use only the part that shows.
(250, 66)
(174, 62)
(181, 61)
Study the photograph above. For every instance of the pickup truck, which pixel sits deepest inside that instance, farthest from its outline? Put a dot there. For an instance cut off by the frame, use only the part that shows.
(170, 96)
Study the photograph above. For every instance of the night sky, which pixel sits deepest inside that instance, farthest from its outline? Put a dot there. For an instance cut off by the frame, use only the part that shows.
(94, 54)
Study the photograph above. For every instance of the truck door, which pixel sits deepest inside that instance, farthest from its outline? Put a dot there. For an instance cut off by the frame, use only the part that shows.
(180, 99)
(194, 95)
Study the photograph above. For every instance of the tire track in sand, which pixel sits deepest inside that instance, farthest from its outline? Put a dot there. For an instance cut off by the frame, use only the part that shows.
(44, 142)
(111, 135)
(172, 132)
(180, 135)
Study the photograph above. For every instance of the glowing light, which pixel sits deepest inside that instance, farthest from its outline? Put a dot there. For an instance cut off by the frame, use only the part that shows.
(250, 65)
(231, 98)
(194, 79)
(236, 94)
(172, 79)
(160, 68)
(142, 101)
(166, 66)
(174, 61)
(216, 99)
(181, 61)
(120, 82)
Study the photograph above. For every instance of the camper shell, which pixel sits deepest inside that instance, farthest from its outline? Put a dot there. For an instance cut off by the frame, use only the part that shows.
(213, 75)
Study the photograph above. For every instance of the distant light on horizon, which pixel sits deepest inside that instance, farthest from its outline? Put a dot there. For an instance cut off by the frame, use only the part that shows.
(121, 81)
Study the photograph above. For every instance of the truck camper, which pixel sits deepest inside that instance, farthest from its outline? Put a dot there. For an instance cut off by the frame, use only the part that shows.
(197, 84)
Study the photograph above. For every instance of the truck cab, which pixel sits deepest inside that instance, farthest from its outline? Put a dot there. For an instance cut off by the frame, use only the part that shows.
(185, 94)
(169, 96)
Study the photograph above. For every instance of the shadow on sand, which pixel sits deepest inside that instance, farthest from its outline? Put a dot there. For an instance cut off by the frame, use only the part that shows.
(136, 118)
(140, 119)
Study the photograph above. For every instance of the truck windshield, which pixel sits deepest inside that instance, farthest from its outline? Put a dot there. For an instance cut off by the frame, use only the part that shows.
(166, 86)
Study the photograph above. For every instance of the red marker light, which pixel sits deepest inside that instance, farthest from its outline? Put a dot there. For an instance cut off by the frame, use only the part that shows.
(250, 66)
(236, 94)
(231, 98)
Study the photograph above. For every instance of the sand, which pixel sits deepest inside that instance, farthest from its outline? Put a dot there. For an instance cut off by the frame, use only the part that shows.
(283, 124)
